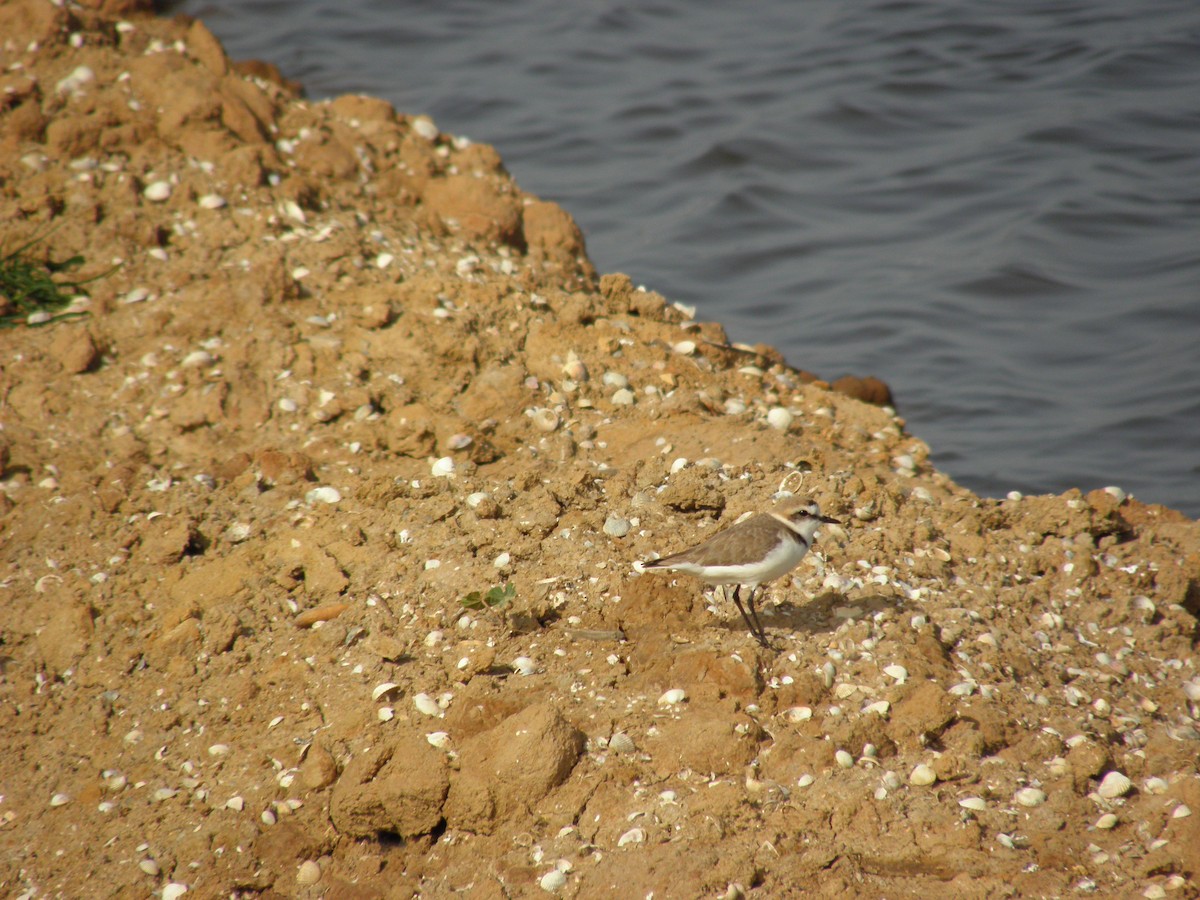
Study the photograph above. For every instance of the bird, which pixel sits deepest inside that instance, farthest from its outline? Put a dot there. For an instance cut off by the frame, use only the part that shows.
(750, 553)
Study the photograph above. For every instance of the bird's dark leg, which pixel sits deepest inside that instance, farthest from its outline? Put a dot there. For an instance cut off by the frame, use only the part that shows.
(761, 632)
(752, 624)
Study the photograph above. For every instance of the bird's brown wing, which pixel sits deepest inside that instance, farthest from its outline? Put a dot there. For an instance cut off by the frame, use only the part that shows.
(728, 547)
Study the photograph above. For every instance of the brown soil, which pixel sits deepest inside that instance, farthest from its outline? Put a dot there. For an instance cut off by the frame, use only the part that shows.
(335, 296)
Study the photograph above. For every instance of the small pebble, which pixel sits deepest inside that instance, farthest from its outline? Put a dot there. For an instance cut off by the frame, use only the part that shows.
(237, 804)
(623, 397)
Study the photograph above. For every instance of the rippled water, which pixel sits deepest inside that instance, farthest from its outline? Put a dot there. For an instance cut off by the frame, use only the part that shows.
(994, 206)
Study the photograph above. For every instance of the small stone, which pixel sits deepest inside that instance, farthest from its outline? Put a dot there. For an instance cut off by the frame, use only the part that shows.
(623, 397)
(237, 804)
(308, 873)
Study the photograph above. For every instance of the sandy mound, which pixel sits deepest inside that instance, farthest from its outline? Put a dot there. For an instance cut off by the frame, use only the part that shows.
(346, 373)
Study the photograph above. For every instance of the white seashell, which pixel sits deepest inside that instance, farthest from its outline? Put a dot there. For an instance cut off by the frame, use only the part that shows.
(616, 526)
(622, 743)
(150, 867)
(460, 441)
(158, 191)
(891, 780)
(164, 793)
(614, 380)
(1006, 840)
(799, 714)
(1014, 495)
(473, 500)
(922, 775)
(381, 689)
(1107, 821)
(383, 260)
(780, 418)
(60, 800)
(211, 201)
(1116, 493)
(432, 564)
(545, 420)
(680, 463)
(438, 739)
(174, 891)
(553, 881)
(844, 759)
(978, 804)
(899, 673)
(308, 873)
(575, 369)
(434, 638)
(137, 295)
(235, 803)
(238, 532)
(287, 404)
(80, 76)
(632, 836)
(672, 697)
(467, 265)
(805, 780)
(197, 359)
(879, 707)
(685, 348)
(502, 560)
(963, 689)
(734, 407)
(1113, 785)
(443, 468)
(523, 665)
(425, 127)
(623, 397)
(1182, 811)
(1030, 796)
(1156, 785)
(268, 817)
(115, 781)
(324, 494)
(1192, 690)
(426, 705)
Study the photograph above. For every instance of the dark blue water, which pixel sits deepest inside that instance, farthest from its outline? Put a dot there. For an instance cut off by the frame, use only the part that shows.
(994, 206)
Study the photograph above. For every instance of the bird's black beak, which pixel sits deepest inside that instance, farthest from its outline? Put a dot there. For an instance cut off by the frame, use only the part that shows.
(830, 521)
